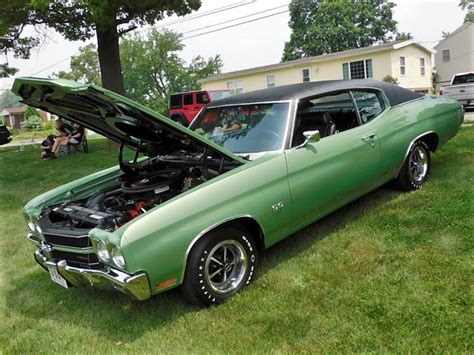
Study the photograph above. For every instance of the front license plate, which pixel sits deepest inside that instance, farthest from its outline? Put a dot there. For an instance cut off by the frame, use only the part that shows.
(56, 277)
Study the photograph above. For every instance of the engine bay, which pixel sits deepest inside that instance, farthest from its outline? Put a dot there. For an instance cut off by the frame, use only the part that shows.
(144, 184)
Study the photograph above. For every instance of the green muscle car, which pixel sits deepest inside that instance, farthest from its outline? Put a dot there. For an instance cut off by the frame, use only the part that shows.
(196, 206)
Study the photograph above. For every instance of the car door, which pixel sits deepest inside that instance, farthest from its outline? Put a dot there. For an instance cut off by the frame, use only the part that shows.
(333, 171)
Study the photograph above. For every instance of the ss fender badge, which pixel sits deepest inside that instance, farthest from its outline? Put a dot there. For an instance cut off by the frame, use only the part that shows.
(277, 207)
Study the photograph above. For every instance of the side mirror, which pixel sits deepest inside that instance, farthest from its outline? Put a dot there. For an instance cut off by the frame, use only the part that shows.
(311, 137)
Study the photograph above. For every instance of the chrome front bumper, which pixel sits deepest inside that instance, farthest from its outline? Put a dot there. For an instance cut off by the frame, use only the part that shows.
(136, 286)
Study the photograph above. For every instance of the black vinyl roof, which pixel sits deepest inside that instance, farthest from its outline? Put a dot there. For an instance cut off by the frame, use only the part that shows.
(395, 94)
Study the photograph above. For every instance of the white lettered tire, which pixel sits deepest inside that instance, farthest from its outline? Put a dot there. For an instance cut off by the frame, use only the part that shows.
(219, 266)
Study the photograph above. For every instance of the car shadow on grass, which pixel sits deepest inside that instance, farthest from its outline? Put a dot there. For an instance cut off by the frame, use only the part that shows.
(118, 318)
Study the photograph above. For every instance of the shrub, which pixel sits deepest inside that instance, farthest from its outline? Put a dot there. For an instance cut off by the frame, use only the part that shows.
(390, 79)
(33, 123)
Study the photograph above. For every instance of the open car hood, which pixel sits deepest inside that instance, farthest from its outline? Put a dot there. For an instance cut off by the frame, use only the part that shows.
(113, 116)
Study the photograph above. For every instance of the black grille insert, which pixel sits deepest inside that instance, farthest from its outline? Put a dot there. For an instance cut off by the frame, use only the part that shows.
(79, 241)
(86, 261)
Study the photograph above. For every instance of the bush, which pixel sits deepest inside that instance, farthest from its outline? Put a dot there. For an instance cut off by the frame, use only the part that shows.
(390, 79)
(33, 123)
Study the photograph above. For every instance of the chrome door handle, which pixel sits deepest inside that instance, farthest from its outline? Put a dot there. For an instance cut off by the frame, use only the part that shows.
(369, 137)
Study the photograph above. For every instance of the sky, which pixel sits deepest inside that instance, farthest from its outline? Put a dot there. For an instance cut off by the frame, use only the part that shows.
(252, 44)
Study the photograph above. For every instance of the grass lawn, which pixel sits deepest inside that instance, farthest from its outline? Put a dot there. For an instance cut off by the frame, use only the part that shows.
(390, 272)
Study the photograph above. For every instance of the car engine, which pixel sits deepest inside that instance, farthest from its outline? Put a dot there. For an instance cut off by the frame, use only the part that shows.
(141, 188)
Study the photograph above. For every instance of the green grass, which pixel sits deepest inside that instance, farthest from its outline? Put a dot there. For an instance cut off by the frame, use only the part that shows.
(390, 272)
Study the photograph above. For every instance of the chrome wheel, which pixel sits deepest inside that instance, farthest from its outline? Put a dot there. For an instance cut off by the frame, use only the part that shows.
(418, 164)
(226, 266)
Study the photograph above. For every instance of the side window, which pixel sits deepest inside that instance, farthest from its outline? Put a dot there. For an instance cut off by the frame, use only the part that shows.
(201, 98)
(368, 104)
(175, 101)
(329, 114)
(188, 99)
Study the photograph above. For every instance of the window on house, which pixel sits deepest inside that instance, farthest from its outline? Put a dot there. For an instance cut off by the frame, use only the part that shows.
(402, 66)
(361, 69)
(270, 81)
(305, 74)
(345, 71)
(422, 66)
(446, 55)
(236, 86)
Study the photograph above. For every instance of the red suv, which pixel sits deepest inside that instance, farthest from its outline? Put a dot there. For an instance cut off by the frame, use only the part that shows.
(186, 105)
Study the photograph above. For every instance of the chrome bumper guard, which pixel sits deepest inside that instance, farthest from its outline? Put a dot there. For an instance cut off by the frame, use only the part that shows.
(136, 286)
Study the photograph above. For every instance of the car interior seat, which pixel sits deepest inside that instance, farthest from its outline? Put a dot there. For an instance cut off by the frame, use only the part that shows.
(311, 121)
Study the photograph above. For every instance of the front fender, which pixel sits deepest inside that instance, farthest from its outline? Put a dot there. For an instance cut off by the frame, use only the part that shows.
(159, 240)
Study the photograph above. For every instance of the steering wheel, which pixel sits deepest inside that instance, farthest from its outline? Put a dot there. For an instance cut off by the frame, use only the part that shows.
(151, 181)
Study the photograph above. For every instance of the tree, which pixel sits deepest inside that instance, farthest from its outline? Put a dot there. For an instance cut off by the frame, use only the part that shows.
(8, 100)
(81, 20)
(325, 26)
(469, 5)
(30, 112)
(84, 66)
(403, 36)
(152, 67)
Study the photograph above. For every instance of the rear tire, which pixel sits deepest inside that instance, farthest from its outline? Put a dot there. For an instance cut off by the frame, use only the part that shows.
(416, 169)
(219, 266)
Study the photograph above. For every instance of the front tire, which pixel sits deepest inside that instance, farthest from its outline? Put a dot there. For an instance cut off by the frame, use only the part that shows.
(416, 169)
(219, 266)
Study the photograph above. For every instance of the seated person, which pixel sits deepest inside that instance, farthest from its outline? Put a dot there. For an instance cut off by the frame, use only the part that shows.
(47, 148)
(63, 128)
(75, 137)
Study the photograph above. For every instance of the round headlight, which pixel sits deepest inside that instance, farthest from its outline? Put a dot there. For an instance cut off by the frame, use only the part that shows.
(102, 251)
(117, 257)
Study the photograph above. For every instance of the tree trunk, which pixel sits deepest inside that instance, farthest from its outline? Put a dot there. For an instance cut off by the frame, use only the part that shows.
(110, 66)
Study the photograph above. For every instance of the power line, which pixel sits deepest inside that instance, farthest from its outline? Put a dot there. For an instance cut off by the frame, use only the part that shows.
(188, 18)
(235, 25)
(235, 19)
(207, 13)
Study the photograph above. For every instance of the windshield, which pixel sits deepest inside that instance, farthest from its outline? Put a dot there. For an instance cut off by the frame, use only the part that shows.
(219, 94)
(244, 128)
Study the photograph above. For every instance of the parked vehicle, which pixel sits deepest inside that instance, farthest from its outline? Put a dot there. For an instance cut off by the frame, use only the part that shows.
(185, 106)
(461, 88)
(4, 135)
(200, 205)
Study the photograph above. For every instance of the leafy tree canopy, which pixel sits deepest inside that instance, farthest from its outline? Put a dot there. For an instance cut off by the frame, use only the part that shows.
(326, 26)
(152, 67)
(403, 36)
(8, 99)
(81, 20)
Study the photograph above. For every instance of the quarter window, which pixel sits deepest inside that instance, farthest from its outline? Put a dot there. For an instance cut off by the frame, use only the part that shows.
(368, 104)
(402, 66)
(446, 55)
(361, 69)
(270, 81)
(236, 86)
(422, 66)
(305, 74)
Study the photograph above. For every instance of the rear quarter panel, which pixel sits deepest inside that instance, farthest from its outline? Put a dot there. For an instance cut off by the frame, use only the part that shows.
(401, 125)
